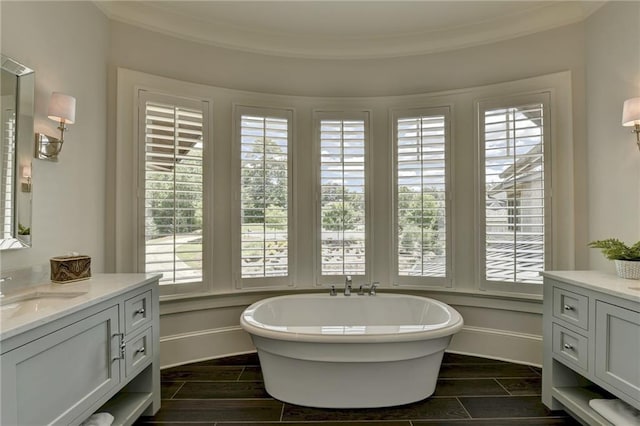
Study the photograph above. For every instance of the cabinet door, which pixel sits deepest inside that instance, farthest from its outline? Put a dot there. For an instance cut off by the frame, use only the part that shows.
(56, 377)
(617, 348)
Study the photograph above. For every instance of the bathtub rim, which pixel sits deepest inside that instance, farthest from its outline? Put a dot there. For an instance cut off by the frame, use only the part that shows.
(453, 326)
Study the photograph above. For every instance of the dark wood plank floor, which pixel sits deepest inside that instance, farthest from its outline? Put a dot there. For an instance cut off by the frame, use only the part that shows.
(470, 391)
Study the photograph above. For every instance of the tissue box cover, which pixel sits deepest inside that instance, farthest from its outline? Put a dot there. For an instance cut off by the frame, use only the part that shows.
(66, 269)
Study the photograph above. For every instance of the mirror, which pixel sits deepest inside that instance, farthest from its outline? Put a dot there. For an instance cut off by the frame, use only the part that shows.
(17, 85)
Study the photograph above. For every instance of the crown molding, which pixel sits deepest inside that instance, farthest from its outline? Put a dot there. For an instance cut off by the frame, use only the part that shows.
(547, 16)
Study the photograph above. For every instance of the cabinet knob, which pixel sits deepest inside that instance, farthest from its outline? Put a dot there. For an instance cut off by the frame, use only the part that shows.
(140, 350)
(568, 308)
(140, 311)
(568, 346)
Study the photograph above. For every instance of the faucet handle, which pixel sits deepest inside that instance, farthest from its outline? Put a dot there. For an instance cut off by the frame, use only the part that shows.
(361, 290)
(333, 291)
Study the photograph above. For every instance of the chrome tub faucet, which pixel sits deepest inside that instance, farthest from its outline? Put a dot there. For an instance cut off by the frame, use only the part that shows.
(347, 286)
(372, 289)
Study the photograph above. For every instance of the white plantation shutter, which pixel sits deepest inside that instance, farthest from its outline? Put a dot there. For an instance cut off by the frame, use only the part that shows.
(172, 183)
(264, 195)
(342, 196)
(515, 192)
(421, 194)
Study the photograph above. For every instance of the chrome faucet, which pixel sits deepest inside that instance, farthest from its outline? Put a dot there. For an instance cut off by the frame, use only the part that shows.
(372, 289)
(347, 286)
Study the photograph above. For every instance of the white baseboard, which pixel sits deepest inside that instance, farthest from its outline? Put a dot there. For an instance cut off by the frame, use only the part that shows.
(216, 343)
(498, 344)
(202, 345)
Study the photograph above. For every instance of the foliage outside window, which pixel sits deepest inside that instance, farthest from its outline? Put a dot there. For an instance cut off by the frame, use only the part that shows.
(173, 188)
(421, 188)
(342, 209)
(264, 196)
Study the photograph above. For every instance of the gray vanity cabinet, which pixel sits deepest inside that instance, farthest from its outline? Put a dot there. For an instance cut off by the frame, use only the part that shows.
(591, 341)
(45, 380)
(618, 348)
(98, 359)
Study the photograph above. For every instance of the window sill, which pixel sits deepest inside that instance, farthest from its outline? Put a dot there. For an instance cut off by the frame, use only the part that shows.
(531, 303)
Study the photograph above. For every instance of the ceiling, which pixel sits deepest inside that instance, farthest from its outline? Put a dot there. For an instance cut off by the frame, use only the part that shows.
(348, 29)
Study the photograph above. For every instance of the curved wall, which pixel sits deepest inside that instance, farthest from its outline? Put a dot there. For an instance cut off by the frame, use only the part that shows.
(544, 53)
(204, 327)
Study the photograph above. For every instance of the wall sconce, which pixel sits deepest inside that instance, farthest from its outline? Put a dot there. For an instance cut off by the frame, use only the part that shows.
(62, 108)
(26, 175)
(631, 116)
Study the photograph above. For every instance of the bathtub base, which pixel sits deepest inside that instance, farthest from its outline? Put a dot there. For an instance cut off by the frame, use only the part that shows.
(353, 384)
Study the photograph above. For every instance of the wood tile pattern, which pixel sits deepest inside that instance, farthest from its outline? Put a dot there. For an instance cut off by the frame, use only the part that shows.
(470, 391)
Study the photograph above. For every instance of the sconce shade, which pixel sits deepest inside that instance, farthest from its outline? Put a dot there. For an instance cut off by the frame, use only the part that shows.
(631, 112)
(26, 171)
(62, 108)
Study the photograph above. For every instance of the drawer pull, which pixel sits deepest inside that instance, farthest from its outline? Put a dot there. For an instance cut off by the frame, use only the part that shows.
(568, 308)
(140, 351)
(568, 346)
(140, 311)
(121, 346)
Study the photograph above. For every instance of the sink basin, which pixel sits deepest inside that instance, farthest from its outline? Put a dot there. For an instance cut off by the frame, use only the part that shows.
(35, 301)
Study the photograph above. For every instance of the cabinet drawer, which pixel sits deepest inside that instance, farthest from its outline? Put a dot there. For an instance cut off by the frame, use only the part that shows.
(571, 347)
(617, 348)
(137, 312)
(139, 352)
(571, 307)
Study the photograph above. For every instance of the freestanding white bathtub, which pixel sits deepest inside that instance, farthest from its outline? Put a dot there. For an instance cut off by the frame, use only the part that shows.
(328, 351)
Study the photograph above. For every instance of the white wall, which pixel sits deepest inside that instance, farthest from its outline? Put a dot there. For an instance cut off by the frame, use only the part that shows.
(544, 53)
(66, 44)
(206, 327)
(613, 75)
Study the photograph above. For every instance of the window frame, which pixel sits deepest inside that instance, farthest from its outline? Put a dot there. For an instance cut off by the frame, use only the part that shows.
(287, 281)
(423, 281)
(343, 115)
(140, 118)
(547, 100)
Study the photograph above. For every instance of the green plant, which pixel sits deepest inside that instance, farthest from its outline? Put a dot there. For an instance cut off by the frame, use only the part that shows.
(23, 230)
(614, 249)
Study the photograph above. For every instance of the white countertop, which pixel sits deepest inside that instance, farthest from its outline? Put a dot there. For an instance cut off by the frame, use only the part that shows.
(96, 289)
(599, 281)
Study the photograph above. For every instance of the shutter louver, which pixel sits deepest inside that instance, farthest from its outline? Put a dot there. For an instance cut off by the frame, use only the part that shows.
(264, 196)
(342, 197)
(173, 192)
(514, 194)
(421, 196)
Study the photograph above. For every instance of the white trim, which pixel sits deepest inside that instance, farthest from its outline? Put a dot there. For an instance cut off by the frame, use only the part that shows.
(203, 345)
(263, 282)
(543, 97)
(502, 345)
(476, 341)
(463, 232)
(295, 44)
(141, 95)
(423, 281)
(344, 114)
